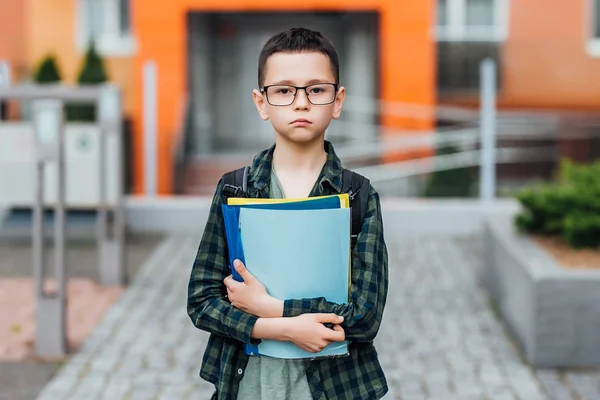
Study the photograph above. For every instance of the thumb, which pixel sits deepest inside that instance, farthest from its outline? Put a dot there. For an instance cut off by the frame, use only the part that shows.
(243, 271)
(329, 318)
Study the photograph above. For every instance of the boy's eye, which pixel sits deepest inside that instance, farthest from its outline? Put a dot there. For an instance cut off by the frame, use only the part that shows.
(321, 90)
(283, 90)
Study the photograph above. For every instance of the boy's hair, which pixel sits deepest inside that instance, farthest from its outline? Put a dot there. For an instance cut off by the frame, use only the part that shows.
(297, 40)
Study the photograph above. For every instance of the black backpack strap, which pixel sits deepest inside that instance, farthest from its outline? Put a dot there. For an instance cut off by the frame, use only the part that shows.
(357, 187)
(235, 183)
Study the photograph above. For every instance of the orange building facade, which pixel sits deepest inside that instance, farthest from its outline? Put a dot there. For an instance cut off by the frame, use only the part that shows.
(12, 25)
(404, 37)
(548, 55)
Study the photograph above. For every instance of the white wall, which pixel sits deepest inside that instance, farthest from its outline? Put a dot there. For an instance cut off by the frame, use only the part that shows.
(18, 167)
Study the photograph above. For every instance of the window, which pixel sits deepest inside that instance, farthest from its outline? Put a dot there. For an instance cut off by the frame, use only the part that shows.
(472, 20)
(480, 13)
(468, 31)
(108, 24)
(593, 45)
(459, 63)
(442, 13)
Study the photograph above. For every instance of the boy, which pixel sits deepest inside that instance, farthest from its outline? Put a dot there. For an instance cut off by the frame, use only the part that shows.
(298, 76)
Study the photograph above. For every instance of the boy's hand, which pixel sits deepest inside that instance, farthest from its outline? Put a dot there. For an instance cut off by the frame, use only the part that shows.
(251, 296)
(308, 332)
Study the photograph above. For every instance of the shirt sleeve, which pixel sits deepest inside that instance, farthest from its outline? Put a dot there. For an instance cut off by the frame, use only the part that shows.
(207, 304)
(369, 282)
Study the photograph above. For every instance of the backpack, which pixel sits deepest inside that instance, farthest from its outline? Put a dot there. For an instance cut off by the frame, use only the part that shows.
(357, 187)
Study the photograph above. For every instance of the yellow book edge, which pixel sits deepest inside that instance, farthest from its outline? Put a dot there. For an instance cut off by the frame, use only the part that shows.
(240, 201)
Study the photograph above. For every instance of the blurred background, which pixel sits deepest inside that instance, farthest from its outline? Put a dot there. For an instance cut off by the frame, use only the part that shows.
(436, 136)
(410, 71)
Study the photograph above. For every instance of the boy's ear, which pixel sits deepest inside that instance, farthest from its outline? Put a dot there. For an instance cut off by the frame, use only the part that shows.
(261, 104)
(339, 101)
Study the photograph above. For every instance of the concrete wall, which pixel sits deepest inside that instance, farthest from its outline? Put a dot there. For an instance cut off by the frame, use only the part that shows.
(401, 216)
(553, 312)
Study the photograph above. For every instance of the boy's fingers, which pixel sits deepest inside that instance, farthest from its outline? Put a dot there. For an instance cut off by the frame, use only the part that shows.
(231, 283)
(329, 318)
(243, 271)
(337, 334)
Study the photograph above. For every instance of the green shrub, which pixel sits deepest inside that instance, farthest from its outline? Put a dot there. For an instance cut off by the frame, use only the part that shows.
(568, 207)
(47, 71)
(93, 72)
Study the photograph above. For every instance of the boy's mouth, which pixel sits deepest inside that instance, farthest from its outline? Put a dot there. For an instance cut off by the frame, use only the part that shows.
(301, 122)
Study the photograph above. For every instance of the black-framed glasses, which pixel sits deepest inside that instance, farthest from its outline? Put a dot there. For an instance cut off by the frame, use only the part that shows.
(319, 94)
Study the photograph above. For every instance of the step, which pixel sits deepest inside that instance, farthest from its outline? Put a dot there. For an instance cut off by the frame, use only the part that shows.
(18, 225)
(200, 177)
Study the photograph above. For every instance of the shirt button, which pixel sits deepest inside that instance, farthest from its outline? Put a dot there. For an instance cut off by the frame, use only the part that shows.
(240, 371)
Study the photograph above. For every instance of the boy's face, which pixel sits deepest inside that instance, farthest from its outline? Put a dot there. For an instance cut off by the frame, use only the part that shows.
(301, 121)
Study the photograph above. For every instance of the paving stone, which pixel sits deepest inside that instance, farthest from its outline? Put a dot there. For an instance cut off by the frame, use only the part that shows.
(557, 392)
(143, 393)
(55, 392)
(439, 338)
(584, 385)
(116, 389)
(173, 392)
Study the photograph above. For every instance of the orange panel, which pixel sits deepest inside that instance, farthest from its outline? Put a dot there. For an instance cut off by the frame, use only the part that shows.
(13, 43)
(408, 66)
(407, 59)
(162, 34)
(544, 61)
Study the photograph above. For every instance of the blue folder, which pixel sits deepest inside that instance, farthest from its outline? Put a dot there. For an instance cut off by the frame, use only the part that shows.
(297, 250)
(231, 215)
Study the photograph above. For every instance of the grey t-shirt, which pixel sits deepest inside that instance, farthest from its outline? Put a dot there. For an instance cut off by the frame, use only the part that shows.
(269, 378)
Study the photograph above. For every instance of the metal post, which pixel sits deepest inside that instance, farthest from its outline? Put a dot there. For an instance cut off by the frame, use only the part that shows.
(4, 73)
(487, 170)
(4, 82)
(111, 236)
(150, 127)
(51, 338)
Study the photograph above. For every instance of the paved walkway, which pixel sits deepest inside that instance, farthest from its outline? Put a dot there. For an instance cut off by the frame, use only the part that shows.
(439, 340)
(22, 375)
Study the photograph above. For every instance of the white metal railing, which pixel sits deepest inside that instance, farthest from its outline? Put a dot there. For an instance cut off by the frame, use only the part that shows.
(404, 169)
(150, 126)
(474, 132)
(463, 136)
(475, 129)
(49, 143)
(180, 141)
(363, 105)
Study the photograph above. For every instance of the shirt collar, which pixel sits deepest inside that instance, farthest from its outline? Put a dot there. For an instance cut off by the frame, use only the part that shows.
(260, 173)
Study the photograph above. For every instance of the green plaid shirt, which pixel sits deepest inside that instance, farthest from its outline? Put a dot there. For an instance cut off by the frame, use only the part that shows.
(358, 376)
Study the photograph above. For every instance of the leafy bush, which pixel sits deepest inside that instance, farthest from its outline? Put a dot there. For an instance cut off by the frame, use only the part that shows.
(47, 71)
(93, 72)
(568, 207)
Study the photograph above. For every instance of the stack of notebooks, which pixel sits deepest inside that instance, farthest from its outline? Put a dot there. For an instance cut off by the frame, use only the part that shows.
(297, 248)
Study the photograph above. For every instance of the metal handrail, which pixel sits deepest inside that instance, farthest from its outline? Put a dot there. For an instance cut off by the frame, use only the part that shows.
(435, 139)
(427, 165)
(367, 105)
(49, 131)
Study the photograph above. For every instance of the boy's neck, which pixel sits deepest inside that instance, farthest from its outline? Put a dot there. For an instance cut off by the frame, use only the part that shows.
(290, 156)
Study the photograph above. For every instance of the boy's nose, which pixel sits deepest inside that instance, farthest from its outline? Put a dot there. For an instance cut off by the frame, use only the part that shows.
(301, 102)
